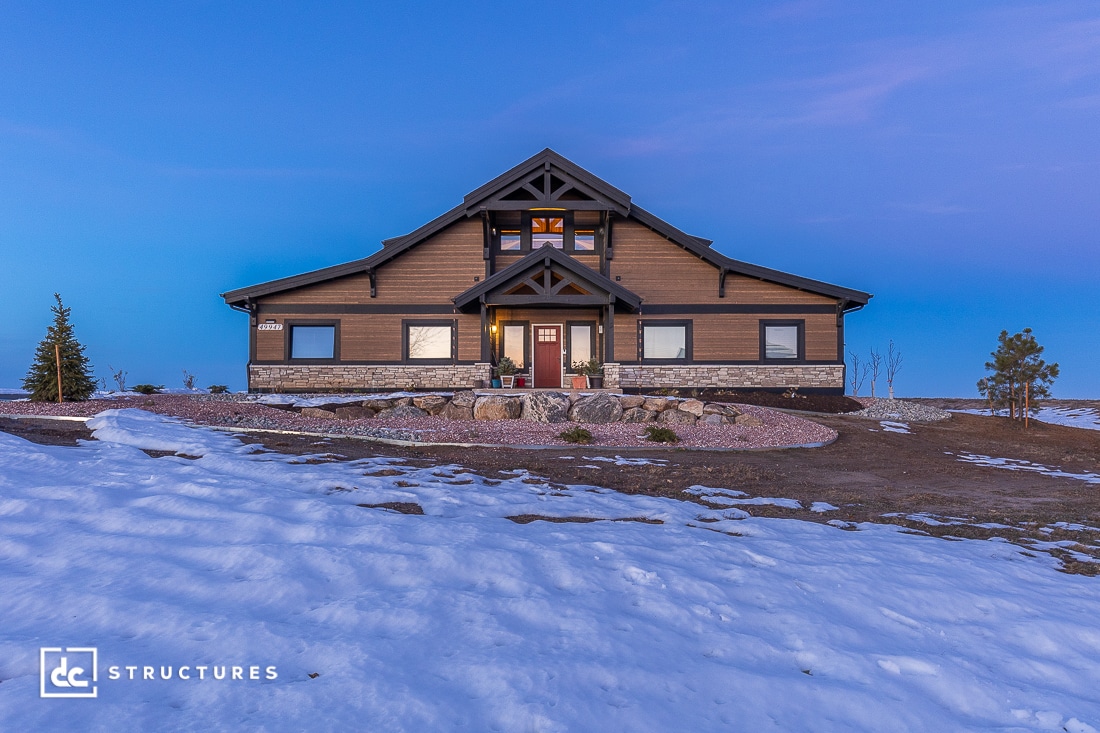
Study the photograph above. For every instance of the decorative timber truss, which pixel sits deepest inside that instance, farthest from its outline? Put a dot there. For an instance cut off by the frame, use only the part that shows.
(547, 277)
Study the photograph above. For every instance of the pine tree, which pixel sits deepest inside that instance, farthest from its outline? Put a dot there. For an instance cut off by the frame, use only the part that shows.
(1016, 364)
(76, 379)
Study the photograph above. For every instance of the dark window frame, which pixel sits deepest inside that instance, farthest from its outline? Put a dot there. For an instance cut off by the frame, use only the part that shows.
(593, 345)
(785, 322)
(659, 323)
(526, 341)
(569, 241)
(288, 346)
(451, 323)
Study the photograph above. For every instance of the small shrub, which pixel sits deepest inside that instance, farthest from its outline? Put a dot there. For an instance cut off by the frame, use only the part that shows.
(218, 389)
(188, 380)
(119, 375)
(148, 388)
(576, 435)
(656, 434)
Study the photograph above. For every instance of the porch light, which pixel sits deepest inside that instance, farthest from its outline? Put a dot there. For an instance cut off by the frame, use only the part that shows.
(493, 328)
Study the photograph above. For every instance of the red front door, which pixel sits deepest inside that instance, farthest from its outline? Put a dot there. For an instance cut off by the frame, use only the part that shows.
(548, 356)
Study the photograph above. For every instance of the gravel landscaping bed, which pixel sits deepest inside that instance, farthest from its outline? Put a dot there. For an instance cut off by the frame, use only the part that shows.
(878, 408)
(778, 429)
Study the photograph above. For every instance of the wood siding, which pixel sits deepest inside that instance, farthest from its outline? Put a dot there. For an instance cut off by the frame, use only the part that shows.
(720, 337)
(665, 273)
(432, 272)
(371, 337)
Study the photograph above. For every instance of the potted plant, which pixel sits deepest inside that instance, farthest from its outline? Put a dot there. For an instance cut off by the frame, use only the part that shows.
(580, 381)
(507, 369)
(594, 370)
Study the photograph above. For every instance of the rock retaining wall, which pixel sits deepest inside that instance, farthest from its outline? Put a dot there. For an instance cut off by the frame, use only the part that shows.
(547, 407)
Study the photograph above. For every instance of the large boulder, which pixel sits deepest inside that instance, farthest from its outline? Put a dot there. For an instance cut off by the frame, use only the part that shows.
(432, 404)
(676, 417)
(402, 411)
(714, 419)
(638, 414)
(497, 407)
(657, 404)
(377, 404)
(402, 401)
(751, 421)
(692, 407)
(548, 407)
(318, 412)
(601, 407)
(354, 412)
(464, 399)
(718, 408)
(630, 401)
(451, 411)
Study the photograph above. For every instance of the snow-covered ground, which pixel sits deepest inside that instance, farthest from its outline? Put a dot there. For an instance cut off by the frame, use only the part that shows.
(1018, 464)
(1074, 417)
(460, 619)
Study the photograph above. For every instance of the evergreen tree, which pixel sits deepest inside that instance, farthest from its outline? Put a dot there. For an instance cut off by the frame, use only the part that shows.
(1017, 363)
(76, 378)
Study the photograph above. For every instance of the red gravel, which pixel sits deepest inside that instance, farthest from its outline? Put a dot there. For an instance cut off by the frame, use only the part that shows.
(779, 429)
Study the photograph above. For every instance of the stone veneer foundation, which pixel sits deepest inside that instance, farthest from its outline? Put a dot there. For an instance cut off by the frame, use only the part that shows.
(642, 376)
(362, 377)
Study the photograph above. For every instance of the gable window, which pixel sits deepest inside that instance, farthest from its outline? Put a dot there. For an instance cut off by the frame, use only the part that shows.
(782, 340)
(664, 340)
(547, 230)
(568, 231)
(312, 341)
(429, 340)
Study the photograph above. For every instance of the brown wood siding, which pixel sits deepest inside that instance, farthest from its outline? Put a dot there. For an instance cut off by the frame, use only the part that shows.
(269, 344)
(504, 259)
(665, 273)
(730, 336)
(372, 337)
(736, 336)
(432, 272)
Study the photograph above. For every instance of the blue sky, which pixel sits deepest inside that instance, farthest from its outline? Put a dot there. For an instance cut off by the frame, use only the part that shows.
(943, 156)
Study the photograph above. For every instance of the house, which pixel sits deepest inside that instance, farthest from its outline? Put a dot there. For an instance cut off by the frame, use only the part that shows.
(549, 265)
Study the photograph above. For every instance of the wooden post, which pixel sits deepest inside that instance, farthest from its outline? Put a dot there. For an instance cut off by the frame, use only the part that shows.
(1027, 403)
(57, 353)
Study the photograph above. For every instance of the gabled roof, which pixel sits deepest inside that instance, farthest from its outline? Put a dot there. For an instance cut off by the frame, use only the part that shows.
(603, 289)
(596, 193)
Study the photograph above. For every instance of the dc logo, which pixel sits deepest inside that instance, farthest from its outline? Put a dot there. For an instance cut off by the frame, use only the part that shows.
(68, 672)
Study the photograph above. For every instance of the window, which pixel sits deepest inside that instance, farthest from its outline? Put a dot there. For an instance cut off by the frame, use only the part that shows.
(429, 340)
(664, 340)
(581, 342)
(569, 231)
(312, 341)
(547, 230)
(515, 343)
(782, 340)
